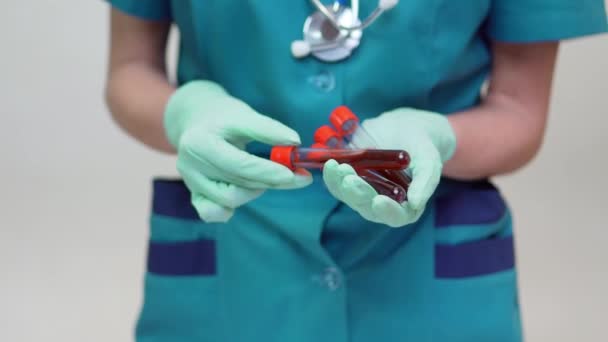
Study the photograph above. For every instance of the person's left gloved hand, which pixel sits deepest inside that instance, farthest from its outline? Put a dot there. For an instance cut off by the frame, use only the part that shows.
(428, 138)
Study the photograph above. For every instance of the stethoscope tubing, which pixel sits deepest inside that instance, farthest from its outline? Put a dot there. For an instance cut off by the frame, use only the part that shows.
(355, 9)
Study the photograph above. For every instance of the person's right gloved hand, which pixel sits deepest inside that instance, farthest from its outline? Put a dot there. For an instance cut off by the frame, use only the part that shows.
(210, 129)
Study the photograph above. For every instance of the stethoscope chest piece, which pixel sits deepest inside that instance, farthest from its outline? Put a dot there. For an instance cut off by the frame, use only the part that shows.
(328, 43)
(333, 32)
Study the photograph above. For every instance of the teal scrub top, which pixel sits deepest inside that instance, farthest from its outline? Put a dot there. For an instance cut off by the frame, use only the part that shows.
(428, 54)
(450, 277)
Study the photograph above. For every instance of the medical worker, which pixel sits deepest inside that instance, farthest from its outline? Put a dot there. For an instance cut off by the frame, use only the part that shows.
(243, 249)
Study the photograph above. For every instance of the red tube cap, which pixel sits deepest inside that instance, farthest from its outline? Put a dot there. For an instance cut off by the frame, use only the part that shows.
(341, 116)
(283, 155)
(324, 134)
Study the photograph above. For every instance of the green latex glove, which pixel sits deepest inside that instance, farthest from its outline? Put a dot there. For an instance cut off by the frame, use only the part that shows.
(210, 130)
(427, 137)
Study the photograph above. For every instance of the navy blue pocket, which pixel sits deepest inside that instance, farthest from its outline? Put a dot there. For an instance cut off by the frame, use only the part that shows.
(472, 259)
(181, 292)
(181, 244)
(171, 198)
(473, 233)
(479, 203)
(183, 258)
(475, 286)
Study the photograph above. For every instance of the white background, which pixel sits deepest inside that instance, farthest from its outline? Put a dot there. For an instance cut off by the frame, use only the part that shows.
(74, 190)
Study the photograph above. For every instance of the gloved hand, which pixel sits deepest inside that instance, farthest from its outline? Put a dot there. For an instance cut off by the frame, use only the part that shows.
(428, 138)
(210, 130)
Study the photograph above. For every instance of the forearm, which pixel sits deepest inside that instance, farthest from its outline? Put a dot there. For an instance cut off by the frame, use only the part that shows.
(136, 95)
(505, 132)
(495, 138)
(137, 88)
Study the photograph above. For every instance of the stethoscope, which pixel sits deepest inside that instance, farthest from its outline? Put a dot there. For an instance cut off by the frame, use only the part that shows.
(334, 31)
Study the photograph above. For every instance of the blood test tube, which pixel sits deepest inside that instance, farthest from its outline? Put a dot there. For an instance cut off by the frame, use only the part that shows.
(384, 186)
(379, 182)
(347, 125)
(400, 177)
(313, 158)
(319, 146)
(355, 136)
(329, 137)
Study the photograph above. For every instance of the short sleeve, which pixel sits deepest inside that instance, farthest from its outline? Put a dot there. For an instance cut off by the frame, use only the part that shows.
(144, 9)
(545, 20)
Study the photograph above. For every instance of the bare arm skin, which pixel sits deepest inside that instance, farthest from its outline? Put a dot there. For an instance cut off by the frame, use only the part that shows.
(506, 131)
(137, 88)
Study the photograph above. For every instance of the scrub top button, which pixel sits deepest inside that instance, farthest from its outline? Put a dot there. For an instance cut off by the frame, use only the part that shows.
(324, 81)
(332, 278)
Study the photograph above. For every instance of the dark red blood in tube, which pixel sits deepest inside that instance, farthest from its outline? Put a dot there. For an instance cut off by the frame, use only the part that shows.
(313, 158)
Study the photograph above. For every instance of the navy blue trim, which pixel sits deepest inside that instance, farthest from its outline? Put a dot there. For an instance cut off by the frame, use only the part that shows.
(172, 198)
(191, 258)
(474, 258)
(479, 204)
